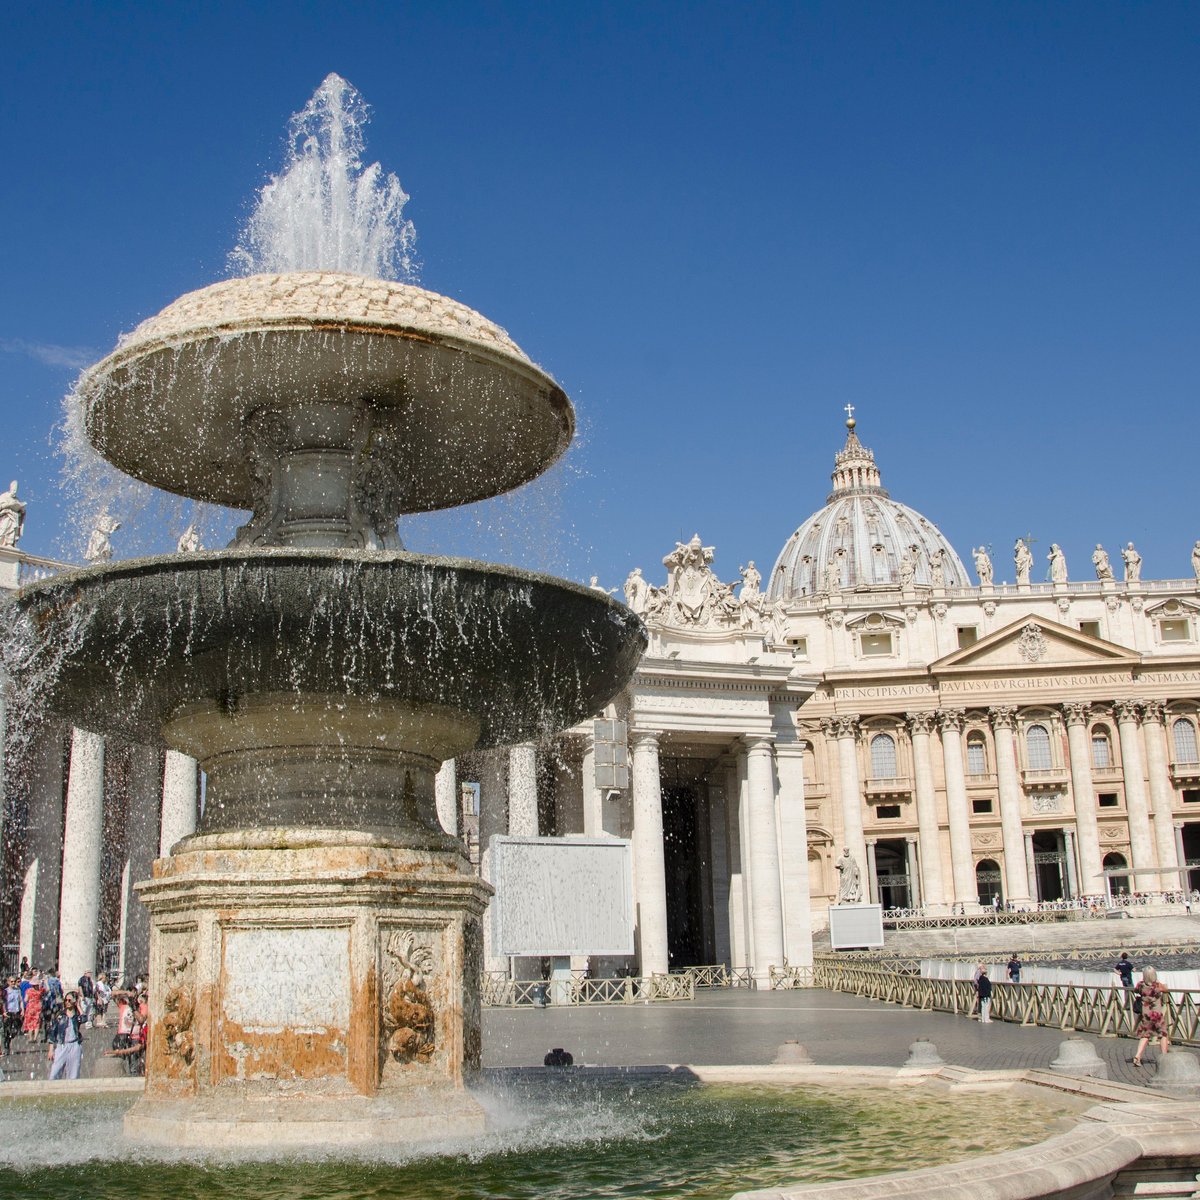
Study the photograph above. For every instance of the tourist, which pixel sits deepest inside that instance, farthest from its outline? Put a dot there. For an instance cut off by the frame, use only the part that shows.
(31, 1023)
(1151, 1004)
(64, 1032)
(87, 995)
(12, 1013)
(100, 1000)
(983, 989)
(1014, 969)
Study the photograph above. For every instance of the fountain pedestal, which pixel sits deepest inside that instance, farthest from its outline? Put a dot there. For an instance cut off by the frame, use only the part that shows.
(316, 986)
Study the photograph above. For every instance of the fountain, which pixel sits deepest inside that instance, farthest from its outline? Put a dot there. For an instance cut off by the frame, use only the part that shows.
(316, 945)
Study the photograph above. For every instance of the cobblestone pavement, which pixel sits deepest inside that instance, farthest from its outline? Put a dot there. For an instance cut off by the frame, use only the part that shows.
(738, 1026)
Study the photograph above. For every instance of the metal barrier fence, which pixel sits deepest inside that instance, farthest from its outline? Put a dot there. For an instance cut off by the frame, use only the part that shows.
(501, 992)
(1105, 1011)
(911, 964)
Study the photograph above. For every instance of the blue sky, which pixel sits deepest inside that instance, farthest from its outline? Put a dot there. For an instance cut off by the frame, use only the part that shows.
(716, 224)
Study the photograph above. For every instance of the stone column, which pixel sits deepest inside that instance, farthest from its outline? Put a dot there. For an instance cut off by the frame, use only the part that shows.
(1181, 856)
(737, 891)
(1162, 795)
(180, 800)
(493, 822)
(522, 791)
(445, 794)
(793, 835)
(142, 842)
(593, 801)
(719, 850)
(79, 908)
(1016, 879)
(914, 874)
(872, 873)
(845, 730)
(764, 851)
(742, 773)
(38, 933)
(920, 726)
(704, 866)
(957, 810)
(1031, 868)
(1069, 851)
(649, 867)
(1091, 871)
(1141, 841)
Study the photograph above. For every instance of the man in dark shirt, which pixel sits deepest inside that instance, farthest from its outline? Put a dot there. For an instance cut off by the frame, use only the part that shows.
(1014, 969)
(983, 988)
(1124, 968)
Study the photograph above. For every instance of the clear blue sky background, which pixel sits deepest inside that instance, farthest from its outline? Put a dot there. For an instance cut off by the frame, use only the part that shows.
(716, 224)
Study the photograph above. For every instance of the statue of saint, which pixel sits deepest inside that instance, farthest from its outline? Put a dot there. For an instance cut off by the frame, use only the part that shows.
(596, 586)
(1196, 560)
(850, 883)
(833, 575)
(937, 568)
(908, 569)
(189, 541)
(1058, 564)
(751, 581)
(1133, 564)
(12, 516)
(1103, 566)
(1024, 561)
(637, 591)
(983, 566)
(99, 547)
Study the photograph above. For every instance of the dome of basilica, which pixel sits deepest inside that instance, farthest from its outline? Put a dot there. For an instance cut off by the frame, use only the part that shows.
(862, 538)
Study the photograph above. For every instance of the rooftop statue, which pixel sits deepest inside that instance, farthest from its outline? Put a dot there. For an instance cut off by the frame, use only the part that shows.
(1023, 560)
(637, 591)
(12, 516)
(983, 566)
(1104, 569)
(1133, 564)
(189, 541)
(1196, 559)
(99, 546)
(937, 567)
(1058, 564)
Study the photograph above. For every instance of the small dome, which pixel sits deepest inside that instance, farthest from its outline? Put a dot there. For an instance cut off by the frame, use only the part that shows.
(863, 534)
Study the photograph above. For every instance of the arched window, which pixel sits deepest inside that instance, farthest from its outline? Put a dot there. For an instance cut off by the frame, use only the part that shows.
(883, 756)
(1037, 746)
(1101, 747)
(976, 755)
(987, 881)
(1184, 733)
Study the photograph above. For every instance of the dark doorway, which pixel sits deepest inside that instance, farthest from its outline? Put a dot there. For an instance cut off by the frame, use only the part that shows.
(1050, 865)
(1191, 853)
(987, 882)
(891, 874)
(1118, 885)
(683, 854)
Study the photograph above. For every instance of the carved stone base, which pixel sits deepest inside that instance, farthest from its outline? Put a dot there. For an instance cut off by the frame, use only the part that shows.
(310, 986)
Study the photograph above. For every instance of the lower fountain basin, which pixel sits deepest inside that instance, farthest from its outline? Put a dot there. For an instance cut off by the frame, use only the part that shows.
(122, 648)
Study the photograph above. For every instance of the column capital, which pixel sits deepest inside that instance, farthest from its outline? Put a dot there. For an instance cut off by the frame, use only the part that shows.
(920, 722)
(758, 743)
(911, 838)
(1127, 711)
(790, 749)
(1004, 716)
(644, 739)
(951, 719)
(1076, 712)
(844, 726)
(1152, 712)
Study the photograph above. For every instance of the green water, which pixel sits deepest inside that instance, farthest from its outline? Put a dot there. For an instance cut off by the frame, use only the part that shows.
(594, 1138)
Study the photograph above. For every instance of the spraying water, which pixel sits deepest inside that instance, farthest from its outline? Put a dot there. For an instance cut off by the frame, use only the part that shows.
(326, 211)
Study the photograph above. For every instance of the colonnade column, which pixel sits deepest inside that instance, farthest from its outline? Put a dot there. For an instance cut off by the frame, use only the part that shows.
(957, 811)
(764, 848)
(845, 732)
(793, 856)
(593, 802)
(180, 800)
(1069, 852)
(445, 795)
(649, 866)
(493, 822)
(733, 840)
(1185, 876)
(1141, 842)
(1031, 868)
(1091, 867)
(79, 908)
(522, 791)
(920, 725)
(872, 873)
(1016, 877)
(1161, 792)
(718, 842)
(914, 874)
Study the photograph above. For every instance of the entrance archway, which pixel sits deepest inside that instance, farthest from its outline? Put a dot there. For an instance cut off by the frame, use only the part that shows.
(987, 882)
(1118, 885)
(891, 874)
(1050, 865)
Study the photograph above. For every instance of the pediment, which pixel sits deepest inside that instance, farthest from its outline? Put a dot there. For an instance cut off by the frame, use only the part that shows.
(1174, 607)
(1033, 643)
(875, 621)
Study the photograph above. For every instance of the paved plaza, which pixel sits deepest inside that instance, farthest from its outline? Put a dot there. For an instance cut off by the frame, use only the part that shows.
(738, 1026)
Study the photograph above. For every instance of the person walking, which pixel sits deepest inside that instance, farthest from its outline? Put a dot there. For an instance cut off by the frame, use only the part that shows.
(32, 1019)
(1124, 968)
(12, 1013)
(1014, 969)
(66, 1039)
(1152, 1022)
(983, 989)
(100, 1000)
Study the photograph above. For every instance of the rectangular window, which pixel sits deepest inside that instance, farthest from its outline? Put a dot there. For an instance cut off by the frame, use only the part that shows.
(968, 635)
(799, 647)
(1191, 797)
(981, 806)
(888, 812)
(1174, 630)
(1091, 628)
(1101, 751)
(1107, 800)
(874, 644)
(976, 757)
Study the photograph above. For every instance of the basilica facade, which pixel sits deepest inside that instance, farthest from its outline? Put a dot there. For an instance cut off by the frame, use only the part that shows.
(964, 742)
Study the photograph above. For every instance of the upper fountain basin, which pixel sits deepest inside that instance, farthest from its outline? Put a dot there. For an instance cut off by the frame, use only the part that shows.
(122, 648)
(457, 411)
